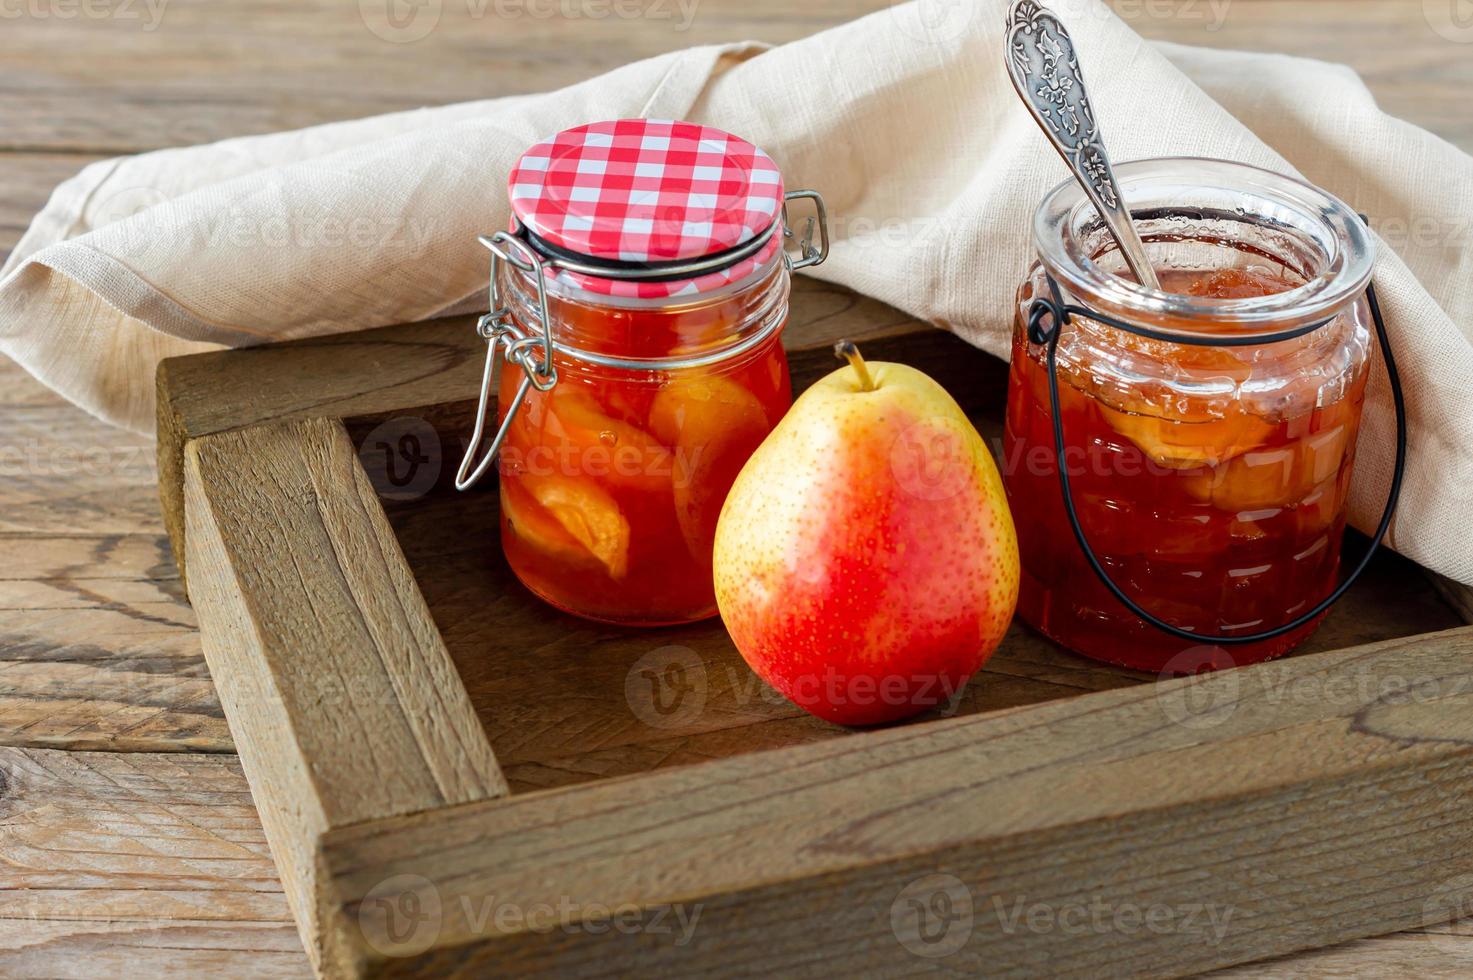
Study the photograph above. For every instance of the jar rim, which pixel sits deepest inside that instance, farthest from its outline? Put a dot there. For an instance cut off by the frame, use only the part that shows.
(575, 286)
(1343, 241)
(769, 284)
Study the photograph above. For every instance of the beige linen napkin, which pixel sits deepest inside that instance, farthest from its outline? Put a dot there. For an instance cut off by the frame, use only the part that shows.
(905, 120)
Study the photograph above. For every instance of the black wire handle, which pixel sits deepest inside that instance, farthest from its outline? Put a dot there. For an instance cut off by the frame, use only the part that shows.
(1054, 307)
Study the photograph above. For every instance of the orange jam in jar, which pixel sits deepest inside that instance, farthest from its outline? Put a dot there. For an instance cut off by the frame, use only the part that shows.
(639, 303)
(1211, 482)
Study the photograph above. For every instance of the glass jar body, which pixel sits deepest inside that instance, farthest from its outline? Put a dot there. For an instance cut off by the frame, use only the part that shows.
(1210, 481)
(611, 481)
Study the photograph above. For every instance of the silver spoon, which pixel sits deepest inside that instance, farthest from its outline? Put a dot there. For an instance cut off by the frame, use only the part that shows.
(1045, 71)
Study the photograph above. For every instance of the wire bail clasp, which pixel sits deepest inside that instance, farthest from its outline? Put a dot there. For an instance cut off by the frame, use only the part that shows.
(807, 254)
(518, 348)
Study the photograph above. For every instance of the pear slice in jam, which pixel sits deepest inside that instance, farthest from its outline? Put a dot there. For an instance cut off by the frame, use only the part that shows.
(582, 439)
(1278, 475)
(1185, 445)
(713, 425)
(569, 519)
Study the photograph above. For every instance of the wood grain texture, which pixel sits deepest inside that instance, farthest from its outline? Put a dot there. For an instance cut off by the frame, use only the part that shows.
(105, 675)
(211, 69)
(1437, 952)
(135, 864)
(26, 186)
(345, 705)
(79, 831)
(386, 371)
(100, 650)
(160, 949)
(66, 472)
(1309, 801)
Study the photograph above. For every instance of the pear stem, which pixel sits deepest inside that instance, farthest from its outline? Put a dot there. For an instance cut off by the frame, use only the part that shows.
(845, 350)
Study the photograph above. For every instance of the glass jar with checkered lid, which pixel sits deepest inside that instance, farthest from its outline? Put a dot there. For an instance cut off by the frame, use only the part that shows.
(637, 305)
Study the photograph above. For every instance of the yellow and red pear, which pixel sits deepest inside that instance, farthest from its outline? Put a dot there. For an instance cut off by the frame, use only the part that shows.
(865, 561)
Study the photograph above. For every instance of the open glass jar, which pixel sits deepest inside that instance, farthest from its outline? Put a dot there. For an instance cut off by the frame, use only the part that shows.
(1207, 450)
(637, 308)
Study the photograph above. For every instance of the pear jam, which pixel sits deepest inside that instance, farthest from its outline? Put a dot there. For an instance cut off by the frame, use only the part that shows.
(611, 482)
(1210, 479)
(639, 298)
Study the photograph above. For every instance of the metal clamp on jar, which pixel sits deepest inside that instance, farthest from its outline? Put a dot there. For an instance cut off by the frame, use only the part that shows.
(640, 298)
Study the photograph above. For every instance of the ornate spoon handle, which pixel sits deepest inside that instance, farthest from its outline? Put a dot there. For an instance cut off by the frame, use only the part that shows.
(1045, 71)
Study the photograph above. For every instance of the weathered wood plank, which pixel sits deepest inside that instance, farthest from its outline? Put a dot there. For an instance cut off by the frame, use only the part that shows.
(65, 472)
(161, 949)
(26, 185)
(344, 703)
(99, 649)
(53, 557)
(1310, 801)
(117, 835)
(211, 70)
(1442, 951)
(134, 864)
(71, 803)
(120, 679)
(391, 370)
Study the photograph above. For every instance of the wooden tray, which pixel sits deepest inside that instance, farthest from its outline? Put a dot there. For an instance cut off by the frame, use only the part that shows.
(456, 778)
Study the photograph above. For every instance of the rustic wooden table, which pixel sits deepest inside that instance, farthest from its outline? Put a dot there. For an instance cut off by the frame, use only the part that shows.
(128, 842)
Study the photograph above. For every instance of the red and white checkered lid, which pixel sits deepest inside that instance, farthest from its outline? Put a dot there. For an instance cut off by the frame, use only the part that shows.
(648, 191)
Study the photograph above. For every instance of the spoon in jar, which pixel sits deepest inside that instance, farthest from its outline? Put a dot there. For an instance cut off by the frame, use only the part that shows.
(1045, 71)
